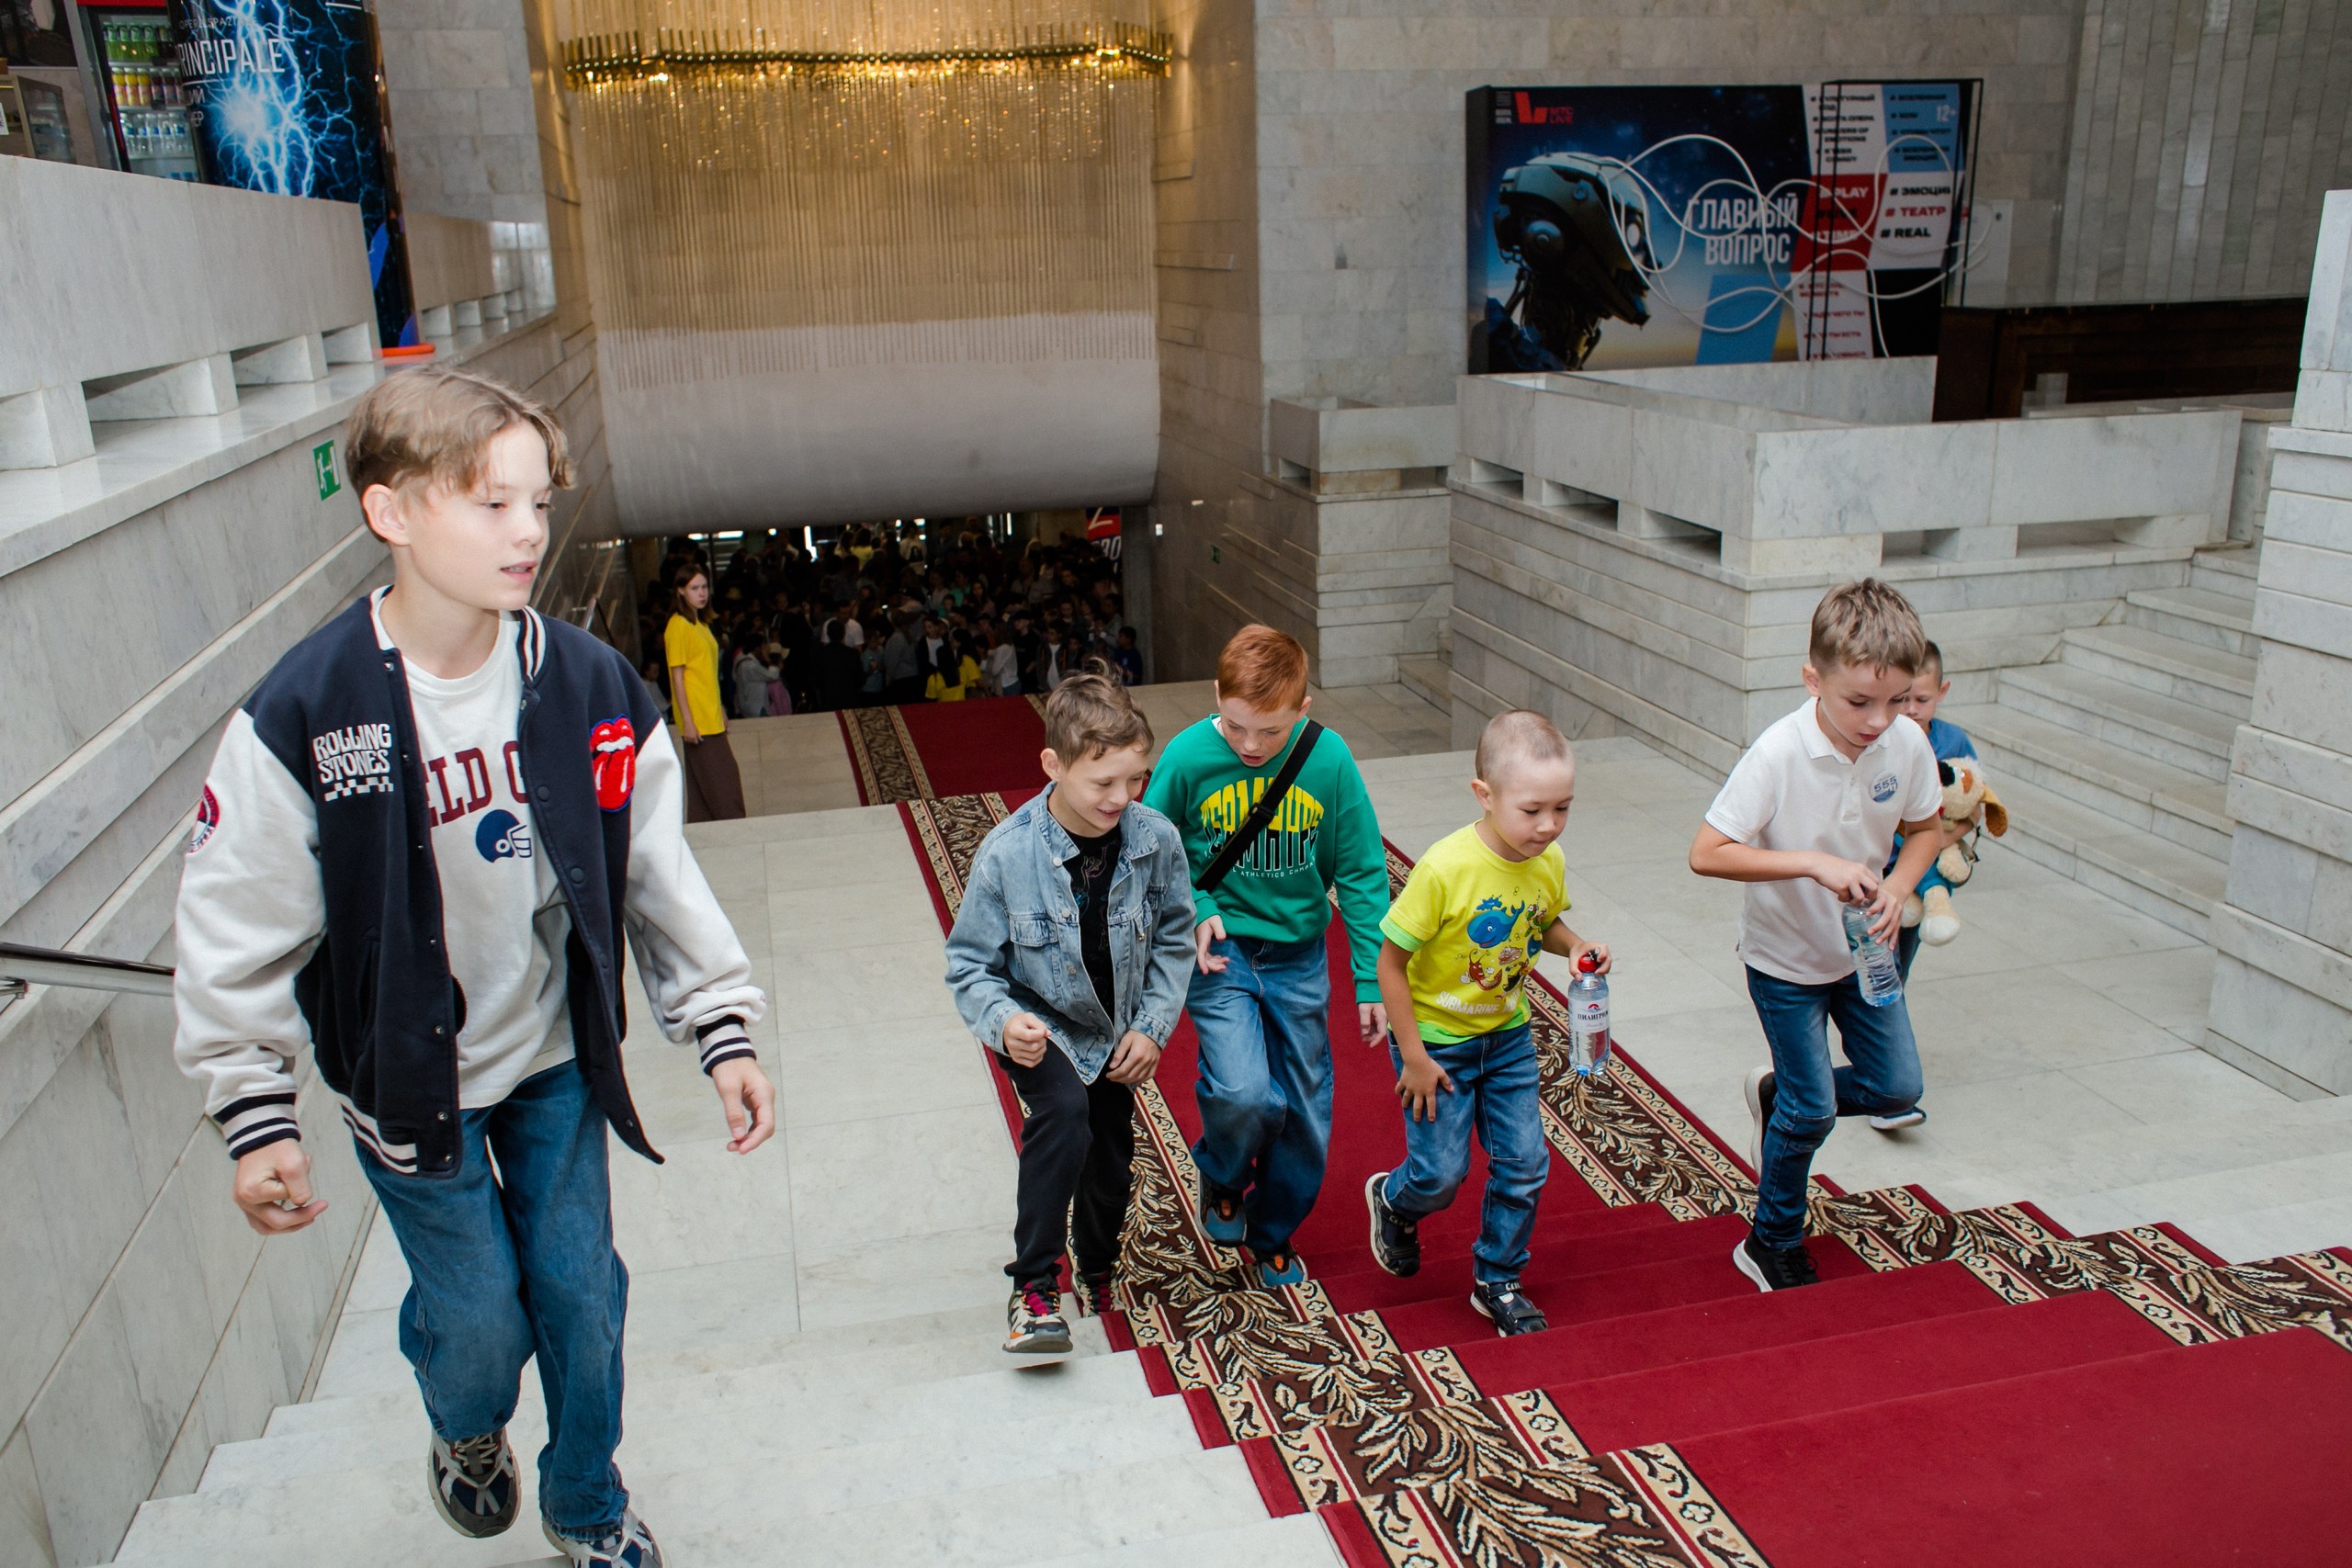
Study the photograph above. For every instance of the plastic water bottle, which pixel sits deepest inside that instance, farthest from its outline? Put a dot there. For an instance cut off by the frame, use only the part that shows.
(1588, 1018)
(1875, 968)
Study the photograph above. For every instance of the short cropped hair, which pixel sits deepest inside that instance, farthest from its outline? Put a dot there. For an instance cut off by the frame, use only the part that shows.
(1521, 735)
(1263, 668)
(1933, 661)
(1091, 713)
(1867, 625)
(437, 423)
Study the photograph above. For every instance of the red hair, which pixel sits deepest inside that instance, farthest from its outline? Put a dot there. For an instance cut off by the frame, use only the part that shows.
(1263, 668)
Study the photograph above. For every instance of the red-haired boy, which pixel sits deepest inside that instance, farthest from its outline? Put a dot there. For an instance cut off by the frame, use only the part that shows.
(1261, 995)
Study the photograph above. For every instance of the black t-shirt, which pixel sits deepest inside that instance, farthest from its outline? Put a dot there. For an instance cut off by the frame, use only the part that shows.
(1090, 871)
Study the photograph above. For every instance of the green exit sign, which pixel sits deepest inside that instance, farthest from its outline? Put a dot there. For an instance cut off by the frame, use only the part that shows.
(323, 458)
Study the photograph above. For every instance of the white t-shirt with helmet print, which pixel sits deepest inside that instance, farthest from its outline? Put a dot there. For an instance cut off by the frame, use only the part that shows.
(504, 922)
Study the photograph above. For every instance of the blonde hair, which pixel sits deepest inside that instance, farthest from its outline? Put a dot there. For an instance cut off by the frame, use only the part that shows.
(436, 424)
(1519, 735)
(1091, 713)
(1867, 625)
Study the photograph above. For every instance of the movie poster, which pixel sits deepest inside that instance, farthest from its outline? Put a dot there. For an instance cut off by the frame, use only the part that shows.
(283, 98)
(1616, 226)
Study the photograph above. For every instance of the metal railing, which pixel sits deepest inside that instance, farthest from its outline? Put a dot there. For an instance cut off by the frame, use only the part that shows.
(21, 966)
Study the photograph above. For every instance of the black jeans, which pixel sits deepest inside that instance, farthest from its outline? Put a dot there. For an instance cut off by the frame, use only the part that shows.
(1077, 1150)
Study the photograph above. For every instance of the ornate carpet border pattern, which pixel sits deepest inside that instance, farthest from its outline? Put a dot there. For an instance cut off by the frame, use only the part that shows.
(883, 756)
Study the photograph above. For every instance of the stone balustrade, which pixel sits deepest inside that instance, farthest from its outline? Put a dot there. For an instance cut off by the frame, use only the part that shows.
(1735, 461)
(1336, 445)
(107, 320)
(454, 274)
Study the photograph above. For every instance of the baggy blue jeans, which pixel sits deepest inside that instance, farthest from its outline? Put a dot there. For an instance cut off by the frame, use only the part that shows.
(1494, 1092)
(1809, 1095)
(508, 1263)
(1264, 1088)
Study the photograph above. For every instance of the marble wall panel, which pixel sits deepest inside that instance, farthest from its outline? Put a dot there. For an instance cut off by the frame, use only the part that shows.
(90, 297)
(2096, 467)
(1870, 478)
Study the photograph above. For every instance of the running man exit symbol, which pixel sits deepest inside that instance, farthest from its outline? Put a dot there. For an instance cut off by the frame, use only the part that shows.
(322, 458)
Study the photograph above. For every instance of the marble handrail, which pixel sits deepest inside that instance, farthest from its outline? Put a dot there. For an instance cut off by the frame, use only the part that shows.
(1790, 493)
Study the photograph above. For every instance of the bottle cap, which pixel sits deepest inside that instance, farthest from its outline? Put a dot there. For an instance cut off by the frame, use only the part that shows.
(1588, 964)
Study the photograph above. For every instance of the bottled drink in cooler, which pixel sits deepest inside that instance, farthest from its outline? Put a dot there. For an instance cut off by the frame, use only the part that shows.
(1875, 968)
(1587, 1020)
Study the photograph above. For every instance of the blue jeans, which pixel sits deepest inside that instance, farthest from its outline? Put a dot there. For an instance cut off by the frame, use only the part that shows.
(519, 1261)
(1265, 1081)
(1809, 1096)
(1494, 1090)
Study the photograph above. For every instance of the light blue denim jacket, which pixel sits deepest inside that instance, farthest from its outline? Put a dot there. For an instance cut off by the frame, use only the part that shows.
(1015, 945)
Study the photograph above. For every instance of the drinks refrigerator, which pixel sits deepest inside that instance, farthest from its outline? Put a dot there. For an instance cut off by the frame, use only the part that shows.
(139, 65)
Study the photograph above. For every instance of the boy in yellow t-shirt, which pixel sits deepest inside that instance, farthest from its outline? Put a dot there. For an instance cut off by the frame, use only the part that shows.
(1459, 942)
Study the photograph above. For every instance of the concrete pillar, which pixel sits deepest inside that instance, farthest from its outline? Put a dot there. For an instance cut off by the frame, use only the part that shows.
(2283, 983)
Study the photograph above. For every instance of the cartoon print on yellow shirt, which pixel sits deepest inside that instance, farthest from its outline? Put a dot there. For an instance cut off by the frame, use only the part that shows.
(1498, 956)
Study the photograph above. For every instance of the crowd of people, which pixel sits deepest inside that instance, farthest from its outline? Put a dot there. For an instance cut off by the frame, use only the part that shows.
(886, 615)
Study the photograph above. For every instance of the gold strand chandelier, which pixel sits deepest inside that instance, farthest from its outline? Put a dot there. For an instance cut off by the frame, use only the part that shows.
(602, 59)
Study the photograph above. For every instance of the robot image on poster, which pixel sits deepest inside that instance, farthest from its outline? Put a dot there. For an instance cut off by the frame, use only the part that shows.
(1580, 232)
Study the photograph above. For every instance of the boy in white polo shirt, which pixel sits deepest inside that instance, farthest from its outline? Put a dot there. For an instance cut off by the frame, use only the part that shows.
(1806, 817)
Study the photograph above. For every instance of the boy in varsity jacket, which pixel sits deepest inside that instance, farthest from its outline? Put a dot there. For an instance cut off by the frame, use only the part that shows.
(418, 851)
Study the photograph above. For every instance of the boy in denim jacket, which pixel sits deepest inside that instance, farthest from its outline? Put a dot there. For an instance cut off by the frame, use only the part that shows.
(1069, 959)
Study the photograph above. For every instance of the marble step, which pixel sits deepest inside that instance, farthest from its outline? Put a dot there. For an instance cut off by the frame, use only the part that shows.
(2155, 876)
(731, 1512)
(884, 1374)
(1431, 679)
(663, 1344)
(2194, 615)
(2179, 734)
(272, 1487)
(2132, 790)
(1298, 1541)
(2230, 572)
(756, 1415)
(2186, 672)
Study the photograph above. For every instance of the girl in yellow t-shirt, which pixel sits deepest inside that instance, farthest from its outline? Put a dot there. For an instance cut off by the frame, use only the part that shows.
(714, 784)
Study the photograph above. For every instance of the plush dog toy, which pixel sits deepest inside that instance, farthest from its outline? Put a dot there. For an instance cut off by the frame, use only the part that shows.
(1966, 792)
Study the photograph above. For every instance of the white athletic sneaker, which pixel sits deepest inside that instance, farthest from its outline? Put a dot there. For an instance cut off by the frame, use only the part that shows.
(1900, 1119)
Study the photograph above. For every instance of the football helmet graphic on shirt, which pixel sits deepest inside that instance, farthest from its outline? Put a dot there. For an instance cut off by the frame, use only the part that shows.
(501, 834)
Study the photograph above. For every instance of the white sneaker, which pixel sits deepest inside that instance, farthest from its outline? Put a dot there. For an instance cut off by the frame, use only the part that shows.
(1900, 1119)
(1760, 1089)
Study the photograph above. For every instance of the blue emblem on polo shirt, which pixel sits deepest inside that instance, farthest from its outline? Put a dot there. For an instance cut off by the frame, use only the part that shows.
(1883, 788)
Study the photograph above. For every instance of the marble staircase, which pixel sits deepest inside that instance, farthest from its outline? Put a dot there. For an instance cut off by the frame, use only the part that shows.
(2113, 755)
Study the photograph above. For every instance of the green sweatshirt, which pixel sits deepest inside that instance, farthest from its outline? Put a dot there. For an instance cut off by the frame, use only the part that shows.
(1324, 837)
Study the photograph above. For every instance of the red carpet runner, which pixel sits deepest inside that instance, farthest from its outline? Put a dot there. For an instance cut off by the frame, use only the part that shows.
(1964, 1389)
(928, 750)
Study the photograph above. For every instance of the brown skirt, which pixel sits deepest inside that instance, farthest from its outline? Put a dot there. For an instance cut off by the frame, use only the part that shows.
(714, 784)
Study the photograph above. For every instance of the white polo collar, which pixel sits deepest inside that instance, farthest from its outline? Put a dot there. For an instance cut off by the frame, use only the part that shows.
(1817, 743)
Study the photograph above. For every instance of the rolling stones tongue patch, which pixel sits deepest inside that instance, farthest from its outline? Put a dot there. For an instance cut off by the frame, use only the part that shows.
(613, 756)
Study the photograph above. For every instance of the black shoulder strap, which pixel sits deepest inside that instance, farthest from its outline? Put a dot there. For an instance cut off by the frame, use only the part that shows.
(1261, 813)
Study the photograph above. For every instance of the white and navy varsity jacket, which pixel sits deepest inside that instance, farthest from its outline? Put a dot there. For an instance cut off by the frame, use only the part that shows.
(309, 908)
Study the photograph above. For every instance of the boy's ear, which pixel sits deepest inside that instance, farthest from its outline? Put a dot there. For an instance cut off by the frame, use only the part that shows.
(1482, 795)
(1812, 681)
(380, 505)
(1052, 764)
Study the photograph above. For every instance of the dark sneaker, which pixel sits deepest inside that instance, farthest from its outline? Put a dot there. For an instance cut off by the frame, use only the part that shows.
(1280, 1268)
(1033, 1322)
(627, 1545)
(1900, 1119)
(1763, 1087)
(1095, 1294)
(475, 1489)
(1774, 1268)
(1511, 1313)
(1221, 1217)
(1396, 1240)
